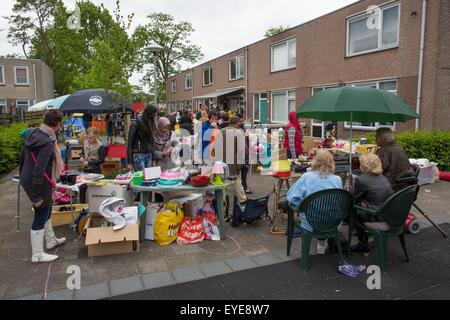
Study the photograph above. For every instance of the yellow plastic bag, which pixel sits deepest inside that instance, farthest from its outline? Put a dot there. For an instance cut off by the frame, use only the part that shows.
(167, 223)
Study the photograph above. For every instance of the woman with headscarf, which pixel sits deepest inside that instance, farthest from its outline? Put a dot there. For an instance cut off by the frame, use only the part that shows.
(40, 166)
(293, 137)
(164, 143)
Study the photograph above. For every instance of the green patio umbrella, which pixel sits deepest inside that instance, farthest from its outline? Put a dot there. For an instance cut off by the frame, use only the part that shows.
(360, 104)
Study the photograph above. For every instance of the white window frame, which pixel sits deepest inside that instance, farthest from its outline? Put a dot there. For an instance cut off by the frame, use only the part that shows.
(174, 85)
(286, 42)
(380, 30)
(3, 106)
(188, 79)
(2, 73)
(286, 105)
(238, 61)
(30, 102)
(210, 76)
(15, 76)
(377, 84)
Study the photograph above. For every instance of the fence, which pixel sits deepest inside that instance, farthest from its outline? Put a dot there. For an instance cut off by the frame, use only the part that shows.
(8, 118)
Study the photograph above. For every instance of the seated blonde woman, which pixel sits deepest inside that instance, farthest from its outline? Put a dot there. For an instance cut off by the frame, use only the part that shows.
(322, 177)
(371, 190)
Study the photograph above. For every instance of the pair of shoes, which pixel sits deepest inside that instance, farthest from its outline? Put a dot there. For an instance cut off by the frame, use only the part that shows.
(360, 248)
(321, 249)
(248, 192)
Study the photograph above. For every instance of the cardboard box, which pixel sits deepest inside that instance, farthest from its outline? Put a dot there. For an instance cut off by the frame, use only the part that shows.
(111, 164)
(60, 218)
(96, 194)
(310, 143)
(280, 154)
(191, 203)
(364, 148)
(106, 241)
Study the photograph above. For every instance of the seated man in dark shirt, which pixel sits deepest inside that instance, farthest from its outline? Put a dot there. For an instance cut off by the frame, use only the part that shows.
(393, 158)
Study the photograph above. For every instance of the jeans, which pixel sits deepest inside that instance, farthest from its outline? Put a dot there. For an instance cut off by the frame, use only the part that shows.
(141, 161)
(244, 172)
(41, 215)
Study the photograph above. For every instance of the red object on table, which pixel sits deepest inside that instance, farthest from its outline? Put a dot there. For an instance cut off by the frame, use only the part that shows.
(200, 181)
(117, 150)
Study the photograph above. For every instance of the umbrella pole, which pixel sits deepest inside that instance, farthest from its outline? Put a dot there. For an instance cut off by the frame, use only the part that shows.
(350, 157)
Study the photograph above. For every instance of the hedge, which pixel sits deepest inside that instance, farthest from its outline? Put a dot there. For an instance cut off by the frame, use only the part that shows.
(434, 146)
(10, 145)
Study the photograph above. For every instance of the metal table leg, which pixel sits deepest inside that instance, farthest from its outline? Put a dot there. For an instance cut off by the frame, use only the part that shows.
(220, 212)
(73, 220)
(143, 219)
(18, 207)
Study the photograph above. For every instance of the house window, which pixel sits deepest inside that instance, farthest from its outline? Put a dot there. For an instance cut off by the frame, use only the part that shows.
(283, 55)
(24, 103)
(283, 102)
(3, 108)
(236, 68)
(207, 76)
(174, 85)
(372, 31)
(2, 74)
(390, 86)
(318, 126)
(188, 82)
(21, 75)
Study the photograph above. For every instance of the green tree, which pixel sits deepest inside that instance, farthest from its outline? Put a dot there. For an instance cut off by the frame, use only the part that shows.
(275, 30)
(174, 38)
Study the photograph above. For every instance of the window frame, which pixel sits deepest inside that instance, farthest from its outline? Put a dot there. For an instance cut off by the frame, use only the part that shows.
(173, 85)
(4, 106)
(189, 75)
(315, 122)
(286, 42)
(15, 76)
(2, 73)
(210, 76)
(238, 61)
(287, 99)
(380, 46)
(377, 84)
(30, 102)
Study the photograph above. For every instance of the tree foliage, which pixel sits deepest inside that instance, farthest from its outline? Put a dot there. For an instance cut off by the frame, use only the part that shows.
(275, 30)
(174, 38)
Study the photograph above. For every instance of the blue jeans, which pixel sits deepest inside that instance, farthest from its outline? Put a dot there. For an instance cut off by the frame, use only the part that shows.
(141, 161)
(41, 215)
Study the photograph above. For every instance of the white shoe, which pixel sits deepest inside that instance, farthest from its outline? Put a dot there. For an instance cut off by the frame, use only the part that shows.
(321, 249)
(50, 239)
(37, 248)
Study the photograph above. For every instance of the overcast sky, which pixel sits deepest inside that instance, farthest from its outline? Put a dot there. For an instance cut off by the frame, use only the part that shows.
(221, 26)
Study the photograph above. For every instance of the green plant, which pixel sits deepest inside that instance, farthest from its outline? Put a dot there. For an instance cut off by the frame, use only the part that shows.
(434, 146)
(10, 145)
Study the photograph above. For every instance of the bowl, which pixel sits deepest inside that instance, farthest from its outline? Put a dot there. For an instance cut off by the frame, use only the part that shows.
(200, 181)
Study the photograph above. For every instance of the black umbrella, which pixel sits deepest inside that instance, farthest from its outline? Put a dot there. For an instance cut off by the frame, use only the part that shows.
(95, 101)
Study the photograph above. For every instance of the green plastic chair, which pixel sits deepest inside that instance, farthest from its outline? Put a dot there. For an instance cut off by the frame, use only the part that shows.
(394, 211)
(324, 211)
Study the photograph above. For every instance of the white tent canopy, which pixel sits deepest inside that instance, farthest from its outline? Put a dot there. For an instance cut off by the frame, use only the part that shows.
(41, 106)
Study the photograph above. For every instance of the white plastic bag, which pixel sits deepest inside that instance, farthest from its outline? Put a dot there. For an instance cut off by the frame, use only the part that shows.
(152, 212)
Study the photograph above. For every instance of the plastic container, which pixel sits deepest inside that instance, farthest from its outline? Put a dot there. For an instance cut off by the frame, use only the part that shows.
(426, 174)
(200, 181)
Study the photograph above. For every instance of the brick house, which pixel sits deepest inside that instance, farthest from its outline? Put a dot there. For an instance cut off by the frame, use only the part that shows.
(24, 82)
(350, 46)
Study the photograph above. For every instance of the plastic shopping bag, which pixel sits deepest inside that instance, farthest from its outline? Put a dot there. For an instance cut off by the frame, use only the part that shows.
(191, 231)
(152, 212)
(167, 223)
(210, 223)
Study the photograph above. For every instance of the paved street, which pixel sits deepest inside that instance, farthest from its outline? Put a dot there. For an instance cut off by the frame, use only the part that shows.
(250, 251)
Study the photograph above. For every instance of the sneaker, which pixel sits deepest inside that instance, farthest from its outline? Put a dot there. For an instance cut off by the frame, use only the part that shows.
(359, 248)
(321, 249)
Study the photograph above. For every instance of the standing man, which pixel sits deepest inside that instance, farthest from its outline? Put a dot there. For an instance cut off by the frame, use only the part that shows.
(394, 159)
(229, 147)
